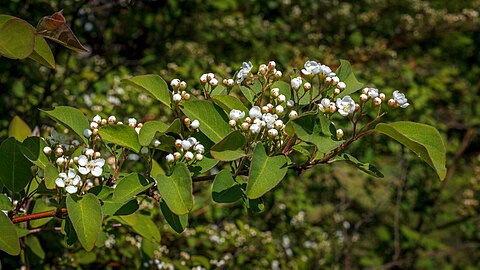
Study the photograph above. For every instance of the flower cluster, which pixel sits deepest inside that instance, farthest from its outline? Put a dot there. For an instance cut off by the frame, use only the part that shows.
(61, 147)
(189, 150)
(209, 78)
(179, 93)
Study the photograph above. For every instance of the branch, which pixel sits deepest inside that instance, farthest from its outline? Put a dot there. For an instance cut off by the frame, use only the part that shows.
(52, 213)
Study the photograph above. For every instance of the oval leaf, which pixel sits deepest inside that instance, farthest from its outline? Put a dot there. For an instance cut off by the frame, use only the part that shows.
(130, 186)
(14, 167)
(9, 240)
(225, 189)
(32, 149)
(19, 129)
(178, 223)
(86, 215)
(71, 118)
(213, 122)
(122, 135)
(230, 148)
(228, 103)
(345, 74)
(143, 225)
(151, 84)
(17, 38)
(423, 140)
(112, 208)
(265, 172)
(42, 53)
(176, 189)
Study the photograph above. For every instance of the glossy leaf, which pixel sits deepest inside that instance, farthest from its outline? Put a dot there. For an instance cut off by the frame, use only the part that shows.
(213, 122)
(42, 53)
(178, 223)
(130, 186)
(51, 174)
(365, 167)
(219, 90)
(423, 140)
(40, 206)
(114, 208)
(230, 147)
(150, 130)
(121, 135)
(86, 216)
(17, 38)
(153, 85)
(345, 74)
(265, 172)
(19, 129)
(225, 189)
(9, 240)
(202, 166)
(71, 118)
(228, 103)
(176, 189)
(143, 225)
(32, 149)
(14, 167)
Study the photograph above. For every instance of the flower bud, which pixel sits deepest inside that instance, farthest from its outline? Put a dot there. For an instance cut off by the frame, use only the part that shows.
(232, 123)
(278, 124)
(339, 134)
(278, 74)
(293, 115)
(210, 76)
(279, 109)
(178, 143)
(365, 90)
(103, 122)
(95, 131)
(156, 143)
(170, 158)
(307, 86)
(213, 82)
(195, 124)
(89, 152)
(328, 79)
(341, 86)
(271, 65)
(248, 120)
(357, 106)
(144, 151)
(262, 70)
(203, 78)
(272, 133)
(255, 128)
(58, 151)
(182, 85)
(290, 103)
(377, 101)
(93, 125)
(186, 96)
(336, 91)
(177, 155)
(296, 83)
(175, 83)
(97, 118)
(245, 126)
(199, 148)
(198, 156)
(230, 82)
(60, 160)
(188, 155)
(47, 150)
(275, 92)
(265, 109)
(186, 121)
(363, 97)
(335, 80)
(381, 96)
(112, 120)
(177, 98)
(281, 98)
(87, 133)
(392, 102)
(332, 107)
(97, 154)
(132, 122)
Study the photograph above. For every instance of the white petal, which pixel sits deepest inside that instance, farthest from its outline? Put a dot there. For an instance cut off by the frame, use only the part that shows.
(71, 173)
(82, 160)
(76, 180)
(83, 170)
(59, 182)
(99, 162)
(62, 175)
(97, 171)
(71, 189)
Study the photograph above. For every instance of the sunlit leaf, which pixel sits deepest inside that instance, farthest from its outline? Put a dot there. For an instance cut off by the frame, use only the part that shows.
(17, 38)
(121, 135)
(19, 129)
(42, 53)
(130, 186)
(225, 189)
(230, 147)
(176, 189)
(71, 118)
(365, 167)
(86, 216)
(153, 85)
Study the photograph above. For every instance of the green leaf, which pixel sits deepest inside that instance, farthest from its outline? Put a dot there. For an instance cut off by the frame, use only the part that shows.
(254, 205)
(14, 167)
(153, 85)
(40, 206)
(176, 189)
(121, 135)
(423, 140)
(143, 225)
(70, 234)
(102, 192)
(202, 166)
(86, 215)
(113, 208)
(219, 90)
(130, 186)
(228, 103)
(213, 122)
(19, 129)
(17, 38)
(265, 172)
(229, 148)
(365, 167)
(225, 189)
(33, 244)
(178, 223)
(345, 74)
(51, 174)
(71, 118)
(150, 130)
(9, 240)
(5, 203)
(32, 149)
(42, 53)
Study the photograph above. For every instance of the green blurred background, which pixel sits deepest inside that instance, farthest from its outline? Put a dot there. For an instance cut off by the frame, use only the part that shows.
(331, 217)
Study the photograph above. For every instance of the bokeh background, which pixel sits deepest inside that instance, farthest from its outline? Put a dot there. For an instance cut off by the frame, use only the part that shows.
(331, 217)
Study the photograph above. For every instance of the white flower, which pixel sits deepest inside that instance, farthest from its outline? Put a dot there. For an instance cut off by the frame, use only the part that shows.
(156, 143)
(270, 120)
(255, 128)
(195, 124)
(311, 67)
(192, 140)
(97, 119)
(170, 158)
(324, 105)
(400, 99)
(93, 166)
(255, 112)
(244, 71)
(372, 92)
(70, 181)
(236, 114)
(345, 106)
(186, 145)
(325, 70)
(296, 83)
(199, 148)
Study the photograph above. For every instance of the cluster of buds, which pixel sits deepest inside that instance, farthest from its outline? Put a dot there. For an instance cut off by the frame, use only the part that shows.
(345, 106)
(97, 122)
(195, 124)
(179, 93)
(311, 69)
(209, 78)
(229, 82)
(61, 148)
(270, 69)
(133, 123)
(189, 150)
(372, 94)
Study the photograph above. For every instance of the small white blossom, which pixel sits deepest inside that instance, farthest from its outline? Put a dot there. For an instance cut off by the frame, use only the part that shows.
(275, 92)
(193, 141)
(236, 114)
(255, 112)
(255, 128)
(213, 82)
(132, 122)
(175, 83)
(177, 98)
(279, 124)
(341, 85)
(156, 143)
(199, 148)
(97, 119)
(186, 145)
(93, 166)
(244, 71)
(372, 92)
(324, 105)
(272, 133)
(188, 155)
(279, 109)
(112, 120)
(335, 80)
(195, 124)
(198, 156)
(346, 105)
(281, 98)
(203, 78)
(311, 68)
(47, 150)
(296, 83)
(69, 180)
(400, 99)
(339, 133)
(232, 123)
